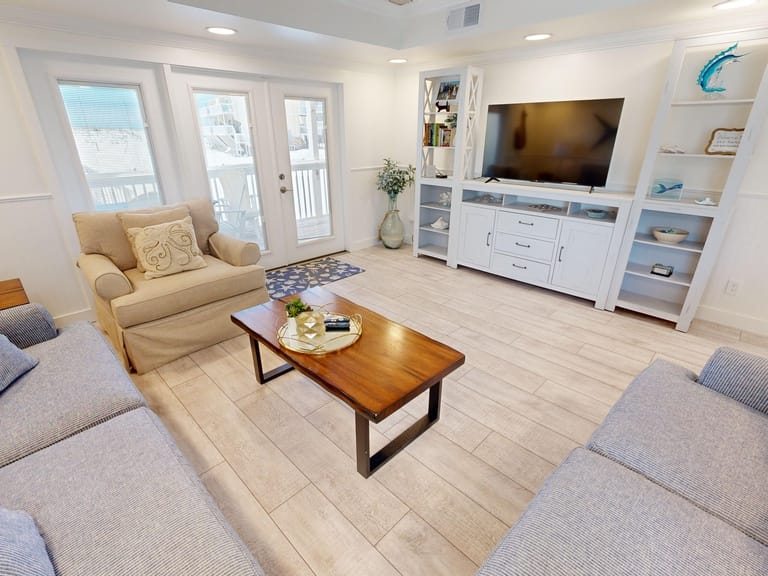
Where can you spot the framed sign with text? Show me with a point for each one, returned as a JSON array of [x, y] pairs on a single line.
[[724, 141]]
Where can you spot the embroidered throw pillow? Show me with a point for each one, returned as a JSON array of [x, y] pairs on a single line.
[[14, 363], [168, 248]]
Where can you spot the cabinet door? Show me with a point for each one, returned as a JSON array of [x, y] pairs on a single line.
[[475, 234], [580, 257]]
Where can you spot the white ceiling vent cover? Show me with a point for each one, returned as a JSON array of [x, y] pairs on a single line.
[[464, 16]]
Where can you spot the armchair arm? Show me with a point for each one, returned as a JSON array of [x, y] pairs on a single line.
[[105, 279], [739, 375], [234, 251], [27, 324]]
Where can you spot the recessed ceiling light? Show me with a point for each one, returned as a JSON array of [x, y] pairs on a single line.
[[730, 4], [397, 60], [536, 37], [221, 31]]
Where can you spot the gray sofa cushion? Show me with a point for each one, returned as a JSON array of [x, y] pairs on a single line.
[[27, 325], [13, 362], [595, 517], [693, 441], [119, 499], [78, 383], [22, 550], [740, 375]]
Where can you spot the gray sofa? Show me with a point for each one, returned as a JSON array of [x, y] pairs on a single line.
[[106, 486], [675, 481]]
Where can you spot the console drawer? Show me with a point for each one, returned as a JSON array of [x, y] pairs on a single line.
[[524, 246], [519, 268], [526, 224]]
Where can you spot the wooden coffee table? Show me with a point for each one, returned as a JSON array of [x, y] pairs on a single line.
[[386, 368]]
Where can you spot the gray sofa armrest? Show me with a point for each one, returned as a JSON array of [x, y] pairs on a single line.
[[104, 277], [234, 251], [739, 375], [27, 324]]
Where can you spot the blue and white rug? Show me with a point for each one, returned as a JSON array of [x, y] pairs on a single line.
[[291, 279]]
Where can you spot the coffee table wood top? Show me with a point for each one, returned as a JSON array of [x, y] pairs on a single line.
[[385, 369]]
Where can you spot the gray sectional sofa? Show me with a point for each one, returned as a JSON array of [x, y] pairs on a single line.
[[675, 481], [103, 481]]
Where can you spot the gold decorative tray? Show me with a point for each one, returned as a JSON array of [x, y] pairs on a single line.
[[330, 342]]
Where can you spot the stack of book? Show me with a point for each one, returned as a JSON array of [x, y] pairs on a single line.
[[436, 135]]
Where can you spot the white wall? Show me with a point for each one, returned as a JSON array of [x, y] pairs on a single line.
[[637, 74], [36, 229]]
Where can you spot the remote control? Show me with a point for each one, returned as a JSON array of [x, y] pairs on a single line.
[[337, 325]]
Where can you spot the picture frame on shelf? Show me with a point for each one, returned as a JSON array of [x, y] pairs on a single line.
[[724, 141], [447, 90], [666, 189]]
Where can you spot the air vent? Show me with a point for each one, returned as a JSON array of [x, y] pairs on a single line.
[[464, 17]]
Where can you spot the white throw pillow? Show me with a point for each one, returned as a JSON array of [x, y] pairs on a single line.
[[168, 248]]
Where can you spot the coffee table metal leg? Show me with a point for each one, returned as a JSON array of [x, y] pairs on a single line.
[[367, 464], [262, 377]]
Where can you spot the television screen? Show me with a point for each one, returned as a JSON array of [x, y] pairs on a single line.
[[567, 142]]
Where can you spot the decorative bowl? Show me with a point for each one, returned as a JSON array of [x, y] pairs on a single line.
[[670, 235], [596, 213]]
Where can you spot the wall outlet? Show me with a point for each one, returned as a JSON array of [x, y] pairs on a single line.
[[732, 287]]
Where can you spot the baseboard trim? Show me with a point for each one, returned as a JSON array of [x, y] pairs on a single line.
[[363, 244], [86, 314], [733, 319]]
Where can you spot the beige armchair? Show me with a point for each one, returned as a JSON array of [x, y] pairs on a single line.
[[154, 321]]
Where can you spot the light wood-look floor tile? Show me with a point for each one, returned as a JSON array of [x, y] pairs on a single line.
[[371, 508], [417, 549], [259, 532], [196, 446], [542, 369], [326, 539], [268, 473]]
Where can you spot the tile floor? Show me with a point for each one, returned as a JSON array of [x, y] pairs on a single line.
[[542, 371]]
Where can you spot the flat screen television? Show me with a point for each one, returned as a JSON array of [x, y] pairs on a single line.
[[568, 142]]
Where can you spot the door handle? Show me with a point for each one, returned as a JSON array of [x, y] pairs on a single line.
[[522, 245], [560, 254], [283, 189], [488, 239]]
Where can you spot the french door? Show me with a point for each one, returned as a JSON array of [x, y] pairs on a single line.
[[270, 164]]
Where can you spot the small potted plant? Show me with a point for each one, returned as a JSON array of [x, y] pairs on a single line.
[[393, 180], [309, 324]]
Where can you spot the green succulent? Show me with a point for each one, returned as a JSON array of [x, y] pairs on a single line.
[[296, 307]]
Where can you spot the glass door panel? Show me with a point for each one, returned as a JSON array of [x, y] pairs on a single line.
[[306, 129], [224, 122]]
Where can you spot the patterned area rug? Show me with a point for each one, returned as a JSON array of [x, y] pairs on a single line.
[[292, 279]]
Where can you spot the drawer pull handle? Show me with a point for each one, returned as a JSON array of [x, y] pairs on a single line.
[[560, 254], [488, 239], [522, 245], [521, 267], [525, 223]]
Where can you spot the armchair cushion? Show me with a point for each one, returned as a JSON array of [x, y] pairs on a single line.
[[166, 249], [739, 375], [13, 363], [22, 549], [140, 220], [27, 324], [104, 277], [163, 297], [234, 251]]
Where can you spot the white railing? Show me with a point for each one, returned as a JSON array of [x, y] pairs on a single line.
[[310, 189], [123, 191]]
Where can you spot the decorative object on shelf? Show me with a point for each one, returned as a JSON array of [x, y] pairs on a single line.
[[669, 235], [448, 90], [437, 135], [545, 207], [488, 199], [662, 270], [666, 189], [452, 122], [306, 323], [439, 174], [706, 202], [671, 149], [442, 107], [724, 141], [445, 198], [393, 179], [596, 213], [709, 77], [439, 224]]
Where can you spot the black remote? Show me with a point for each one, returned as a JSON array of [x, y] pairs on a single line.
[[340, 325]]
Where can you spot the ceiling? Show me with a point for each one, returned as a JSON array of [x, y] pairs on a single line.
[[372, 31]]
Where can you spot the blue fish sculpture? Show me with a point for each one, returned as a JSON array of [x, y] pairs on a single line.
[[711, 71], [661, 188]]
